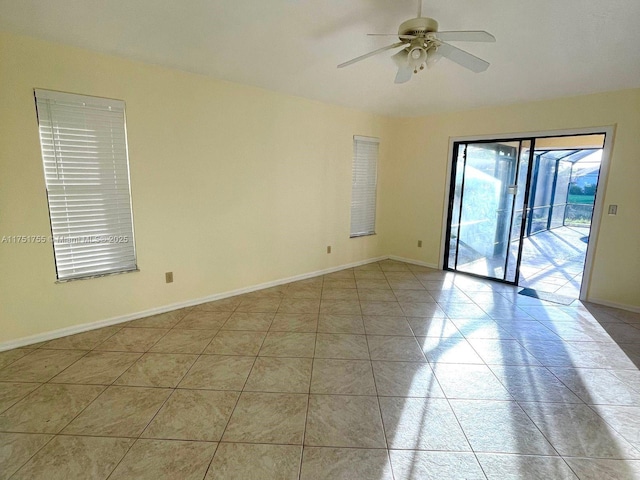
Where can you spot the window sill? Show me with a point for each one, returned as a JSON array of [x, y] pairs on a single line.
[[360, 235], [89, 277]]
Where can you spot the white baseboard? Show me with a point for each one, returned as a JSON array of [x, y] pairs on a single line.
[[85, 327], [413, 262], [622, 306]]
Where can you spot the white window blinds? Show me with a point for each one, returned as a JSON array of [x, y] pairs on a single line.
[[86, 168], [363, 189]]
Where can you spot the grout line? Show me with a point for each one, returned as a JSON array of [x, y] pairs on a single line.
[[135, 440], [53, 437], [538, 428], [306, 417], [68, 366], [206, 472], [238, 399], [472, 450], [235, 405], [384, 430]]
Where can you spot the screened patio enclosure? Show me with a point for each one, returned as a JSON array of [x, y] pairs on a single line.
[[522, 216], [563, 189]]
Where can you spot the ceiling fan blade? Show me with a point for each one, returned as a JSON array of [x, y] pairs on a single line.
[[371, 54], [404, 37], [401, 58], [404, 69], [404, 74], [463, 58], [466, 36]]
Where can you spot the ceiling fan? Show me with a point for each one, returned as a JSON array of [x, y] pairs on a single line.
[[423, 45]]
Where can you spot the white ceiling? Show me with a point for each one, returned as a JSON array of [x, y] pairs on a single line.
[[544, 49]]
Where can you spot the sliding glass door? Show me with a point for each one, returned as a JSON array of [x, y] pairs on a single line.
[[520, 209], [486, 203]]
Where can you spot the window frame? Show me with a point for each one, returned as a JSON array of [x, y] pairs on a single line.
[[128, 253], [358, 140]]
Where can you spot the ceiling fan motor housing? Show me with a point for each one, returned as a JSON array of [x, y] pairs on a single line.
[[418, 26]]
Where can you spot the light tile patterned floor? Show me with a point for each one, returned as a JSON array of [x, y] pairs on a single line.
[[385, 371]]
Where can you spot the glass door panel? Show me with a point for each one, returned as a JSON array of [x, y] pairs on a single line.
[[483, 196]]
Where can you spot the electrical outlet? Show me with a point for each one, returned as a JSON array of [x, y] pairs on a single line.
[[168, 277], [419, 243], [328, 248], [613, 209]]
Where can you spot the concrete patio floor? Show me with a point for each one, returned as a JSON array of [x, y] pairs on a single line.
[[552, 261]]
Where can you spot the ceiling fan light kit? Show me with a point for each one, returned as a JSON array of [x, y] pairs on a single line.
[[422, 46]]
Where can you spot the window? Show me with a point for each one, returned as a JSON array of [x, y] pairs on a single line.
[[86, 169], [363, 186]]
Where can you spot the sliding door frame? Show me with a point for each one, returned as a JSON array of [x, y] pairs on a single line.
[[457, 145], [598, 208]]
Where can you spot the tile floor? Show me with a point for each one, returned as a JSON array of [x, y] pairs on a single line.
[[385, 371]]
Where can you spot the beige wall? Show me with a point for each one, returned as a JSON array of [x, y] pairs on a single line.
[[232, 186], [415, 179]]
